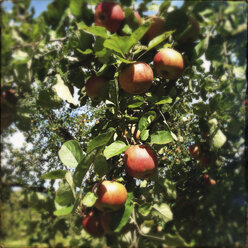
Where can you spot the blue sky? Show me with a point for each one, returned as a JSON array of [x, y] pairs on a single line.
[[40, 5]]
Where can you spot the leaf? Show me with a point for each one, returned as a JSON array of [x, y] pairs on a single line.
[[87, 51], [101, 166], [63, 91], [119, 44], [175, 241], [164, 100], [145, 209], [139, 33], [89, 199], [161, 137], [144, 135], [201, 47], [135, 105], [170, 189], [121, 217], [63, 211], [95, 30], [71, 153], [100, 140], [163, 211], [64, 195], [114, 149], [76, 7], [146, 120], [158, 39], [83, 167], [56, 174]]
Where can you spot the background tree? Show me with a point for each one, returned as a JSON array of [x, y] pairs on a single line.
[[68, 85]]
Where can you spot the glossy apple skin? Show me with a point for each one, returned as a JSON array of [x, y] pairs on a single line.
[[140, 161], [157, 27], [136, 78], [93, 86], [194, 151], [109, 15], [92, 225], [192, 34], [168, 63], [111, 196]]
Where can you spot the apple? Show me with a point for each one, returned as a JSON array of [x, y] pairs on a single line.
[[136, 78], [140, 161], [105, 222], [194, 151], [192, 33], [137, 15], [92, 224], [111, 196], [208, 180], [109, 15], [157, 27], [93, 87], [168, 63]]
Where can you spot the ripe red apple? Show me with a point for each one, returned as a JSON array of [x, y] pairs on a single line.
[[93, 87], [92, 225], [192, 33], [157, 27], [111, 196], [194, 151], [136, 78], [168, 63], [109, 15], [140, 161]]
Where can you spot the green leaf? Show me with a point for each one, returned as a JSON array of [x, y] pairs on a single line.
[[83, 167], [161, 137], [71, 153], [144, 135], [175, 241], [101, 166], [135, 105], [89, 199], [57, 174], [164, 100], [201, 47], [64, 195], [119, 44], [95, 30], [100, 140], [121, 217], [114, 149], [63, 211], [87, 51], [146, 120], [158, 39], [170, 189], [63, 91], [139, 33], [145, 209], [163, 211], [76, 7]]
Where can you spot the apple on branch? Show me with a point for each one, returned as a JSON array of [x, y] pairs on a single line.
[[92, 224], [136, 78], [111, 196], [109, 15], [93, 87], [140, 161], [168, 63]]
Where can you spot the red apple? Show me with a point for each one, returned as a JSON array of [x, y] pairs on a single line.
[[157, 27], [194, 151], [208, 180], [109, 15], [192, 33], [92, 225], [111, 196], [136, 78], [168, 63], [140, 161], [93, 87]]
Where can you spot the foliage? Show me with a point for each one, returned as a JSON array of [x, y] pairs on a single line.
[[77, 141]]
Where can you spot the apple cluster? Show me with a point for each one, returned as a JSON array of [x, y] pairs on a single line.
[[140, 160], [137, 78]]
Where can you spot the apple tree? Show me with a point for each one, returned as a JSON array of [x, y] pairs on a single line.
[[137, 109]]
